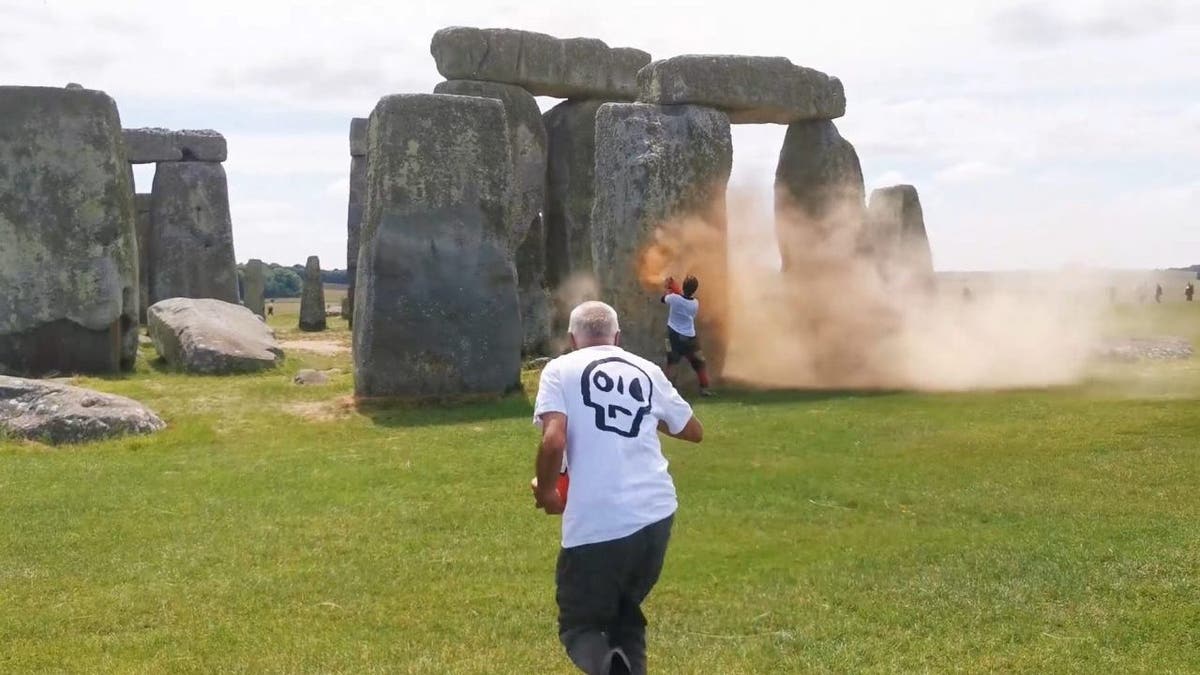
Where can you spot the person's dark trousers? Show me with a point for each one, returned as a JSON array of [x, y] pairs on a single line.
[[600, 592]]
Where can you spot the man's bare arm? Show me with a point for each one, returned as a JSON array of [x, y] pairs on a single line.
[[692, 432], [549, 461]]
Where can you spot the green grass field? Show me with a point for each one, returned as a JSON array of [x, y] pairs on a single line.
[[277, 528]]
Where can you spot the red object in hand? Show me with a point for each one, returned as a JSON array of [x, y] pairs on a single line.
[[673, 286], [564, 483]]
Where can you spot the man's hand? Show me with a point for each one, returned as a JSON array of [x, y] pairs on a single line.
[[549, 501], [670, 283]]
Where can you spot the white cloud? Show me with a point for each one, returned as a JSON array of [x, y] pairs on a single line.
[[969, 172]]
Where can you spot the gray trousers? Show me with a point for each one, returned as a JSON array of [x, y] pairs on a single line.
[[600, 592]]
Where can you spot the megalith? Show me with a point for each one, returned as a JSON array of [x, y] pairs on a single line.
[[751, 89], [527, 145], [143, 204], [254, 278], [895, 237], [354, 208], [312, 297], [68, 240], [570, 185], [542, 64], [191, 248], [661, 173], [819, 205], [436, 310]]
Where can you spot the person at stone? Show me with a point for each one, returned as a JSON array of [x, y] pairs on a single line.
[[1189, 291], [1158, 293], [271, 308], [682, 341], [601, 409]]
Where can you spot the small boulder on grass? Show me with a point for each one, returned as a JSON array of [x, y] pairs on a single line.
[[309, 376], [54, 413]]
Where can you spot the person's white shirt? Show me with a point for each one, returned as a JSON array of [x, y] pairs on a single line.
[[613, 401], [681, 314]]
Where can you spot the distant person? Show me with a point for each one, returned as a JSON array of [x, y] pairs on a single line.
[[603, 408], [682, 341], [1158, 293], [967, 295], [271, 308], [1189, 291]]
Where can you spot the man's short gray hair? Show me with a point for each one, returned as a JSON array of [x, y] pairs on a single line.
[[594, 320]]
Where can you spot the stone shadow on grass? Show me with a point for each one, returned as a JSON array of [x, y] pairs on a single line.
[[390, 412]]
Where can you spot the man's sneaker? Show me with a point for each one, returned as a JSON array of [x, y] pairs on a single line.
[[707, 393], [619, 663]]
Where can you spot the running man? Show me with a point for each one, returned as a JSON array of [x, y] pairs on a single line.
[[603, 408], [682, 307]]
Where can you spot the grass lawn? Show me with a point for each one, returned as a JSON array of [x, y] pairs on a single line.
[[277, 528]]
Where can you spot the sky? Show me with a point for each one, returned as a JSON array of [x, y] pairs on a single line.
[[1040, 135]]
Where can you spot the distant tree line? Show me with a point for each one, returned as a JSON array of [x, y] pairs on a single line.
[[287, 281]]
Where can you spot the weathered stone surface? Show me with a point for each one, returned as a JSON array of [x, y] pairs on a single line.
[[150, 145], [68, 242], [191, 249], [895, 236], [542, 64], [255, 281], [312, 298], [143, 204], [358, 136], [660, 167], [527, 144], [354, 214], [436, 309], [153, 145], [54, 413], [570, 184], [819, 194], [752, 89], [211, 336]]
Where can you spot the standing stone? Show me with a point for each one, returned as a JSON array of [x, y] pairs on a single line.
[[661, 168], [312, 298], [895, 235], [68, 241], [570, 185], [819, 193], [143, 204], [544, 65], [255, 276], [527, 144], [191, 250], [354, 209], [436, 309]]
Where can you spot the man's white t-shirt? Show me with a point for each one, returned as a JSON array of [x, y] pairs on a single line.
[[681, 314], [613, 401]]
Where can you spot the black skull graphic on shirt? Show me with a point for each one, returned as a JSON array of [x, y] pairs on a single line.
[[620, 393]]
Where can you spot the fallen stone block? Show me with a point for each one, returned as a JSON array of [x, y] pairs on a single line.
[[542, 64], [211, 337], [56, 413], [751, 89]]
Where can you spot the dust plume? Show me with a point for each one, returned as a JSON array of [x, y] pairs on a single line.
[[820, 303]]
